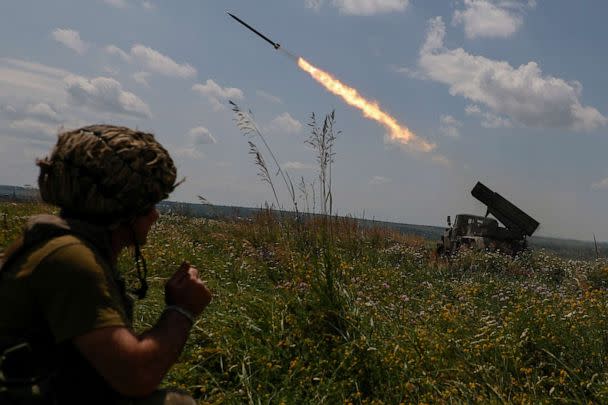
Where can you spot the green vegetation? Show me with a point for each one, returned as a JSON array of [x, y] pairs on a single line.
[[323, 311]]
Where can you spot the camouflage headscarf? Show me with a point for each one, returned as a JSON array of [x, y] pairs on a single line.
[[106, 174]]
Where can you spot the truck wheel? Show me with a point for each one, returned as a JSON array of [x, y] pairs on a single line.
[[440, 250]]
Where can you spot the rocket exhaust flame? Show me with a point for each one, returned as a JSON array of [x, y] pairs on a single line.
[[370, 109]]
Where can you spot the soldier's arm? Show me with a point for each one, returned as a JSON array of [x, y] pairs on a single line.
[[134, 365]]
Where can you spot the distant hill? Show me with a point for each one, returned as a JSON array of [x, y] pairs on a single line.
[[16, 193], [575, 249], [570, 248]]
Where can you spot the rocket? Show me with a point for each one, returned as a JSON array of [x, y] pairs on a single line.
[[276, 45]]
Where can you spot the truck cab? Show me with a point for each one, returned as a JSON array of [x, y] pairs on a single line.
[[484, 232]]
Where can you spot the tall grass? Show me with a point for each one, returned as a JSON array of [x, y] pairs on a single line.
[[482, 328], [246, 123], [318, 239]]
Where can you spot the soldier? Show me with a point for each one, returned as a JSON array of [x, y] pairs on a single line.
[[66, 332]]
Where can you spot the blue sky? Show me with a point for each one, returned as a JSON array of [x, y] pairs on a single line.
[[512, 93]]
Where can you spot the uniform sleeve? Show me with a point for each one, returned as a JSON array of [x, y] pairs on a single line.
[[74, 293]]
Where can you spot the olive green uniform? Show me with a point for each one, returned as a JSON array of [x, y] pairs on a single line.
[[59, 285]]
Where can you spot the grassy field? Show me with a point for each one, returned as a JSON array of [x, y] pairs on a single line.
[[327, 312]]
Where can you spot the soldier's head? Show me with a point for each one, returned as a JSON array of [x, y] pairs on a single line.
[[106, 175]]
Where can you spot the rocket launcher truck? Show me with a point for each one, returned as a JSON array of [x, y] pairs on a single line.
[[484, 232]]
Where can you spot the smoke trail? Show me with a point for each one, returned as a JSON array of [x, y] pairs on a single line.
[[289, 54]]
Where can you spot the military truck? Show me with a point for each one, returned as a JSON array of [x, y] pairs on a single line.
[[484, 232]]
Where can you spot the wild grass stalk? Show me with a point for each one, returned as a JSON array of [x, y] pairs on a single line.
[[246, 123], [322, 139]]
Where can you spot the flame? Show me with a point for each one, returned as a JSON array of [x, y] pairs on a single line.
[[370, 109]]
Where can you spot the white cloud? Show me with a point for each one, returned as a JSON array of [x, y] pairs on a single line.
[[35, 101], [38, 111], [600, 185], [152, 61], [116, 3], [442, 160], [71, 39], [42, 111], [211, 88], [488, 120], [123, 4], [105, 94], [155, 61], [379, 180], [141, 78], [20, 83], [452, 132], [472, 109], [522, 94], [297, 166], [313, 4], [114, 50], [9, 110], [197, 137], [449, 120], [269, 97], [217, 94], [284, 124], [201, 136], [449, 126], [188, 152], [409, 72], [494, 121], [34, 67], [361, 7], [32, 122], [491, 18], [36, 129], [370, 7], [435, 34], [111, 70]]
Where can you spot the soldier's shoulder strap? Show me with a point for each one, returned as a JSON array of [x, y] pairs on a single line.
[[19, 246], [11, 251]]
